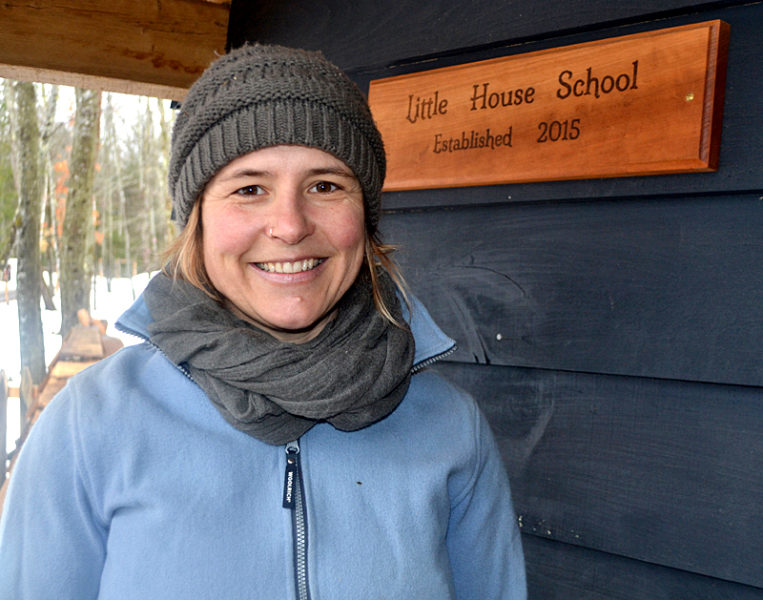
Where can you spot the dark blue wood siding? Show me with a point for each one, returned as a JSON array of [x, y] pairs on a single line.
[[611, 329]]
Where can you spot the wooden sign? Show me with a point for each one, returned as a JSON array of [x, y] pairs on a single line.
[[635, 105]]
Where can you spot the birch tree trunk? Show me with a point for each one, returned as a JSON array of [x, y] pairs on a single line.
[[150, 183], [77, 242], [9, 239], [47, 236], [112, 150], [169, 231], [107, 217], [28, 276]]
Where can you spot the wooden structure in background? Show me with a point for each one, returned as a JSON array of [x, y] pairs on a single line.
[[610, 328], [148, 47], [86, 344]]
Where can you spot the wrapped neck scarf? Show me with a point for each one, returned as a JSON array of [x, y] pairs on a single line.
[[354, 373]]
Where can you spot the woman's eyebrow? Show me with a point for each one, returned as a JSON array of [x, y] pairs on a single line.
[[343, 172], [238, 173], [245, 172]]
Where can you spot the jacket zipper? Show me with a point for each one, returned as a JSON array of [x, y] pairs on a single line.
[[294, 500], [184, 370], [432, 359], [293, 491]]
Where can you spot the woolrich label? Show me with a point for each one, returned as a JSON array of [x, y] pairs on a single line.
[[636, 105]]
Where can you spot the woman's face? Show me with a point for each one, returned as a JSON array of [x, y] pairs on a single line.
[[283, 237]]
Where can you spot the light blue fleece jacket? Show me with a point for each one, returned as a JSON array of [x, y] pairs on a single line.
[[132, 486]]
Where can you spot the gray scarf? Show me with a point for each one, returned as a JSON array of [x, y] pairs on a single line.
[[354, 373]]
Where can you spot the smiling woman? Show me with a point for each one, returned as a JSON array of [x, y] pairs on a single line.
[[282, 367], [283, 237]]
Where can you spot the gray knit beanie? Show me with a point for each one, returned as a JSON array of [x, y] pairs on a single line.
[[259, 96]]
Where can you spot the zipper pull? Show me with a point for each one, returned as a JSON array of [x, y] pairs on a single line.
[[291, 475]]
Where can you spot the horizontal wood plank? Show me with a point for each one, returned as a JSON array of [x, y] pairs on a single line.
[[564, 572], [118, 45], [423, 29], [662, 472], [91, 82], [668, 288]]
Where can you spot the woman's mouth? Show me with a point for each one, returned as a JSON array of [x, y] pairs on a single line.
[[298, 266]]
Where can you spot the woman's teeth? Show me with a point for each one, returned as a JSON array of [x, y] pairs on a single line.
[[290, 267]]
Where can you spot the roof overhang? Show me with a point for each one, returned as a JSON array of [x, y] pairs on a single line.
[[149, 47]]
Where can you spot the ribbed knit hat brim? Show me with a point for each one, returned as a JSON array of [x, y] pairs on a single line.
[[261, 96]]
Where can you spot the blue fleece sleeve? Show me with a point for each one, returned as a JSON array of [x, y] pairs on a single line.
[[52, 544], [483, 537]]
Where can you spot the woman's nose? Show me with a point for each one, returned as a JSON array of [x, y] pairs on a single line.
[[288, 219]]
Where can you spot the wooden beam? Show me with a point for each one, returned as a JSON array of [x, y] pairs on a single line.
[[150, 47]]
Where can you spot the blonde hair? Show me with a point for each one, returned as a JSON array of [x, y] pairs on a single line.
[[184, 260]]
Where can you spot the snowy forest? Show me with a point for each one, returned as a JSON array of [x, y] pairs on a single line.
[[83, 193]]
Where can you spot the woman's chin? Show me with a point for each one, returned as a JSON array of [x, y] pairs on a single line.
[[294, 328]]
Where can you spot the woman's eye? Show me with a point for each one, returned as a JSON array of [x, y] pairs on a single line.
[[324, 187], [249, 190]]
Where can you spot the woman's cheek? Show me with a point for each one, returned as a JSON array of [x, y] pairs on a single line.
[[352, 239], [230, 232], [349, 230]]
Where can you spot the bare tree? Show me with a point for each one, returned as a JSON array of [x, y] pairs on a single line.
[[111, 147], [76, 245], [168, 227], [48, 238], [9, 236], [28, 276]]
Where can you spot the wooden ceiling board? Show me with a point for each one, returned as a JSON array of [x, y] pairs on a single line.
[[149, 47]]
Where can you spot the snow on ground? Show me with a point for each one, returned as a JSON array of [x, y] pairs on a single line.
[[106, 305]]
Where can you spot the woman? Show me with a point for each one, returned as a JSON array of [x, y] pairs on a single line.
[[276, 436]]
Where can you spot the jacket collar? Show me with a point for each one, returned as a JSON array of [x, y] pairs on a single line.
[[431, 342]]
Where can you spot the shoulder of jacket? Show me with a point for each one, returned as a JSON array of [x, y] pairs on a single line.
[[440, 402]]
